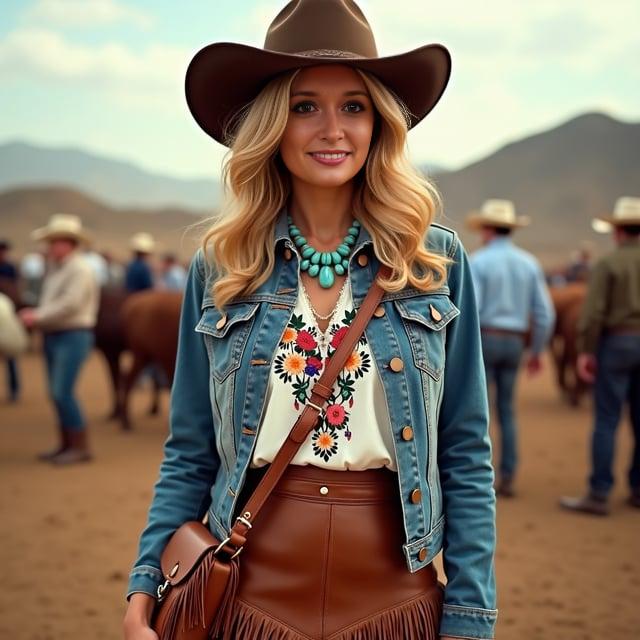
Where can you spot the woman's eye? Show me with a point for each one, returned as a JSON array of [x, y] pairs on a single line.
[[303, 107], [354, 107]]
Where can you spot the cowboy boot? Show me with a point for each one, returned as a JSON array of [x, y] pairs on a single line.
[[590, 503], [504, 488], [78, 450], [46, 456]]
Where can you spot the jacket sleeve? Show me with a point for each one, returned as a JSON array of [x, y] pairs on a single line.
[[466, 473], [191, 462], [543, 314], [594, 309]]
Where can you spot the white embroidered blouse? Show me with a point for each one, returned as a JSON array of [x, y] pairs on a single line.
[[354, 432]]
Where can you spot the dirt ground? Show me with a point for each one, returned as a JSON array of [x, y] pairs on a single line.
[[68, 536]]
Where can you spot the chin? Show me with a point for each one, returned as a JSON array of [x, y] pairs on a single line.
[[329, 181]]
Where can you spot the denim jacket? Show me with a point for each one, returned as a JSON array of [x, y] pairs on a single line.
[[444, 472]]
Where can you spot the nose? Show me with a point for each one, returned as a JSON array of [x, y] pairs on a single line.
[[332, 130]]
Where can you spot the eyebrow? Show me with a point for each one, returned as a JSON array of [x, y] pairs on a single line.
[[355, 92]]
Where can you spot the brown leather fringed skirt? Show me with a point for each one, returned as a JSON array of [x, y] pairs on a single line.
[[324, 560]]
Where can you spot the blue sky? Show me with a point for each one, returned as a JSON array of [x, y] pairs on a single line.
[[107, 75]]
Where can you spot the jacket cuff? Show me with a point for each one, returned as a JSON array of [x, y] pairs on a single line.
[[468, 622], [144, 579]]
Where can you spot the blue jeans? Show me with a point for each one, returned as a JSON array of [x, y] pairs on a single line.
[[13, 378], [502, 355], [617, 380], [65, 352]]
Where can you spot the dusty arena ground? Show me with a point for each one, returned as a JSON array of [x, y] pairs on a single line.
[[68, 536]]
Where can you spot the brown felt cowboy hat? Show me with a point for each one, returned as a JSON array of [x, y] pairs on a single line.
[[223, 77]]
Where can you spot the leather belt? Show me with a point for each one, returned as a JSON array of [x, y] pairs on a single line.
[[623, 331], [494, 331]]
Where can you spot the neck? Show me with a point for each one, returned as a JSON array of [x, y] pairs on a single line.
[[322, 214]]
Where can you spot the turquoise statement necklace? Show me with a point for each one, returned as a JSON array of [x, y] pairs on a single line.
[[325, 265]]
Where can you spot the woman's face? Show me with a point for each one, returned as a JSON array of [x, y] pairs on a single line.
[[330, 125]]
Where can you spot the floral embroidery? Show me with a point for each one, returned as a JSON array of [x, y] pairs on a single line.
[[300, 362]]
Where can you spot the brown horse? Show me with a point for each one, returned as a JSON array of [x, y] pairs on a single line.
[[111, 342], [568, 301], [150, 322]]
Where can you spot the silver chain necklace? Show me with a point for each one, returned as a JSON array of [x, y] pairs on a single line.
[[323, 334]]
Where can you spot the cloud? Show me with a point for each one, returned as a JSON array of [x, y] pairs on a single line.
[[151, 77], [86, 13]]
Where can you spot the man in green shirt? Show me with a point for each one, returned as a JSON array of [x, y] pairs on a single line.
[[609, 348]]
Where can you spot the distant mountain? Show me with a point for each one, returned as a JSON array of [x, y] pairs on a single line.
[[113, 181], [561, 178], [22, 210]]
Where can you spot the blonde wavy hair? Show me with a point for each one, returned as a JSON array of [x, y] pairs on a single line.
[[392, 199]]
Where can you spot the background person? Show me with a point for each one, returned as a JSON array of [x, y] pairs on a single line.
[[66, 315], [512, 295], [609, 355]]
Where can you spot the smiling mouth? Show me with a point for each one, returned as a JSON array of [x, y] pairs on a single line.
[[329, 158]]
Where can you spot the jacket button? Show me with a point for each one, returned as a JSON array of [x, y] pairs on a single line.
[[221, 322], [324, 490], [287, 254], [422, 554], [407, 433], [435, 314], [416, 496], [363, 261], [396, 364], [379, 312]]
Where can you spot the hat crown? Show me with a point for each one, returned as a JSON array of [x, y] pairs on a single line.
[[627, 208], [64, 222], [335, 27], [142, 241], [502, 210]]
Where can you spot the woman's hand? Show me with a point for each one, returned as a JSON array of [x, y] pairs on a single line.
[[138, 617]]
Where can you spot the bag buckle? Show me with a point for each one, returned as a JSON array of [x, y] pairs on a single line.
[[162, 588], [315, 406], [223, 544]]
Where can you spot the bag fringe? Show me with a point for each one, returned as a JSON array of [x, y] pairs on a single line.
[[225, 613], [188, 609], [417, 619]]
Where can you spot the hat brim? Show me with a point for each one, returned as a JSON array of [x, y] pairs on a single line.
[[44, 234], [477, 220], [606, 224], [224, 77]]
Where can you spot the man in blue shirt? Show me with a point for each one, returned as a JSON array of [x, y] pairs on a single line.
[[138, 276], [512, 298]]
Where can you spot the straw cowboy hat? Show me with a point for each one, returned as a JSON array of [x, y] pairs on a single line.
[[497, 213], [142, 242], [223, 77], [62, 225], [626, 212]]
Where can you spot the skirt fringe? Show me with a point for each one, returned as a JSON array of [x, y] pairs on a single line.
[[416, 619]]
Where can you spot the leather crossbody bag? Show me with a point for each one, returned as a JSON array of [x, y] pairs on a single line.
[[201, 573]]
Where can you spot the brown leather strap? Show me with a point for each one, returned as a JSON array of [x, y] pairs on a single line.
[[307, 420]]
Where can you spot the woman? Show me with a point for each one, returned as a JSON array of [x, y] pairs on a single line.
[[398, 467]]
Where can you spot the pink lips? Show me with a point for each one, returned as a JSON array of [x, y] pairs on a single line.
[[330, 158]]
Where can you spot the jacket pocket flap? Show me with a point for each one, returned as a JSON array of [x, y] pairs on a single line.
[[433, 311], [217, 324]]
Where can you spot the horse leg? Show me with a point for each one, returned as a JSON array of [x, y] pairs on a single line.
[[128, 380]]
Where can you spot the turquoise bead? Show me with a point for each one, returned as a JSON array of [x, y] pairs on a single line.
[[313, 270], [307, 252], [304, 265], [336, 257], [345, 264], [326, 277], [315, 258], [339, 269], [299, 241], [353, 232], [343, 250], [350, 240], [325, 259], [294, 232], [356, 223]]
